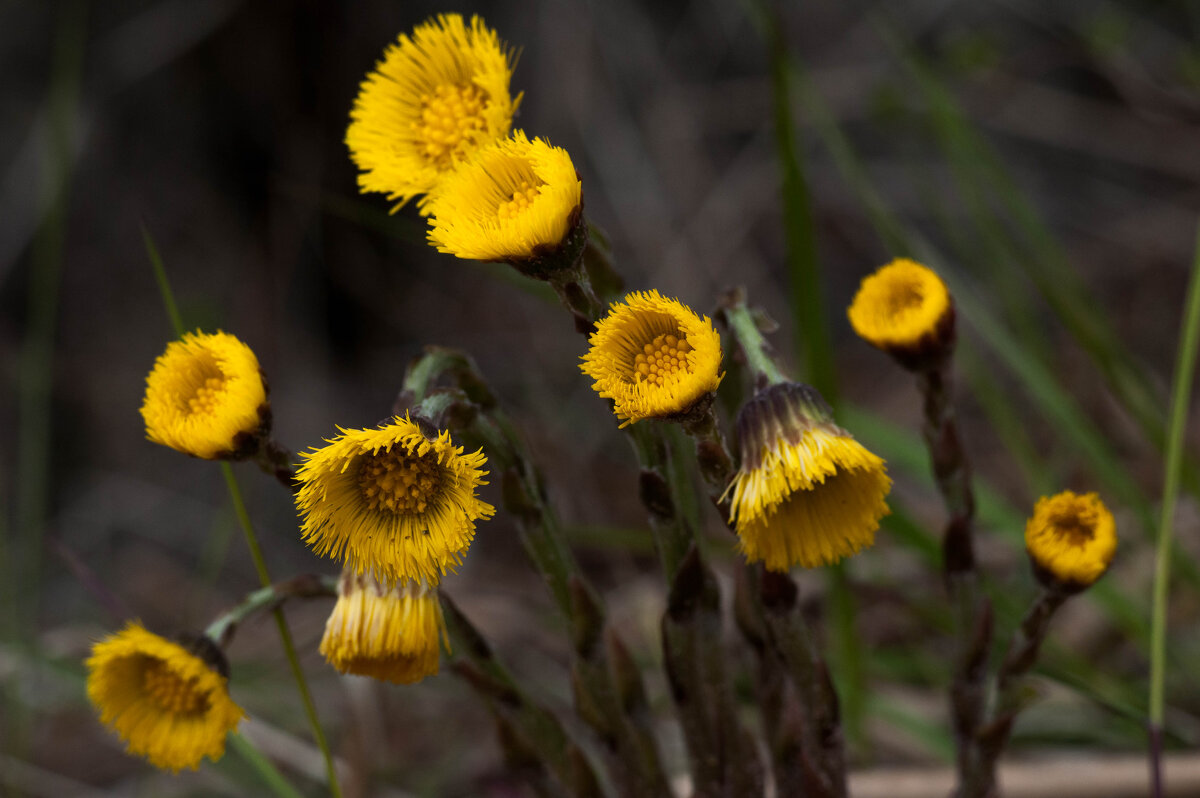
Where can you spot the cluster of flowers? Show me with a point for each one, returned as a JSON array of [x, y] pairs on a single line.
[[397, 504]]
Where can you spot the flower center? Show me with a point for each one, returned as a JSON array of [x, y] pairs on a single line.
[[449, 117], [904, 296], [1073, 529], [399, 482], [171, 693], [661, 359], [512, 208], [205, 400]]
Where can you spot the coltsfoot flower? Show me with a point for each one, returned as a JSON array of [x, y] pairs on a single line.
[[391, 502], [168, 703], [807, 493], [434, 98], [385, 633], [654, 357], [1071, 540], [905, 309], [205, 396], [513, 200]]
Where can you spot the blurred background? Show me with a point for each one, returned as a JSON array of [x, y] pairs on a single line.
[[1042, 156]]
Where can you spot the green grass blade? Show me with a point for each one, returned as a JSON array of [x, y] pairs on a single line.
[[164, 285], [263, 767], [1185, 368]]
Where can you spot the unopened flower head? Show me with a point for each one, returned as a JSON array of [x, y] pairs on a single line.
[[511, 201], [392, 502], [205, 396], [434, 98], [905, 310], [1071, 539], [807, 493], [168, 703], [654, 357], [386, 633]]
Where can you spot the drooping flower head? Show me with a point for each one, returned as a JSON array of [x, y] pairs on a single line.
[[392, 502], [1071, 540], [807, 493], [511, 201], [205, 396], [905, 309], [434, 98], [653, 356], [385, 633], [168, 703]]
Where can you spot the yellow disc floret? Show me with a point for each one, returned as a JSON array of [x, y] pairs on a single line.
[[203, 393], [511, 200], [164, 701], [807, 493], [902, 306], [1071, 538], [434, 98], [391, 502], [386, 633], [653, 356]]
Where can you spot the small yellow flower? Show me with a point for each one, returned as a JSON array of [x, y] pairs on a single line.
[[392, 502], [205, 395], [513, 200], [166, 702], [653, 356], [431, 101], [389, 634], [807, 493], [904, 309], [1071, 539]]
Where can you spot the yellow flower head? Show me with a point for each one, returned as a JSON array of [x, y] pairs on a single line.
[[389, 634], [205, 396], [167, 703], [434, 98], [906, 310], [513, 200], [1071, 539], [392, 502], [653, 356], [807, 493]]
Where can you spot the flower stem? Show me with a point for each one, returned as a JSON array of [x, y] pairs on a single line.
[[744, 327], [221, 630], [285, 634], [1185, 367]]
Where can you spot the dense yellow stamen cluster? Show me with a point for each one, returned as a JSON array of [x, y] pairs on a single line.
[[399, 483], [520, 201], [203, 392], [509, 201], [170, 692], [1071, 537], [392, 502], [165, 702], [660, 359], [653, 356], [451, 118], [900, 305], [435, 98]]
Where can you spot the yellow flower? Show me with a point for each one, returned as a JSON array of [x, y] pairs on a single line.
[[1071, 539], [807, 493], [906, 310], [205, 396], [392, 502], [167, 703], [513, 200], [390, 634], [653, 356], [431, 101]]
